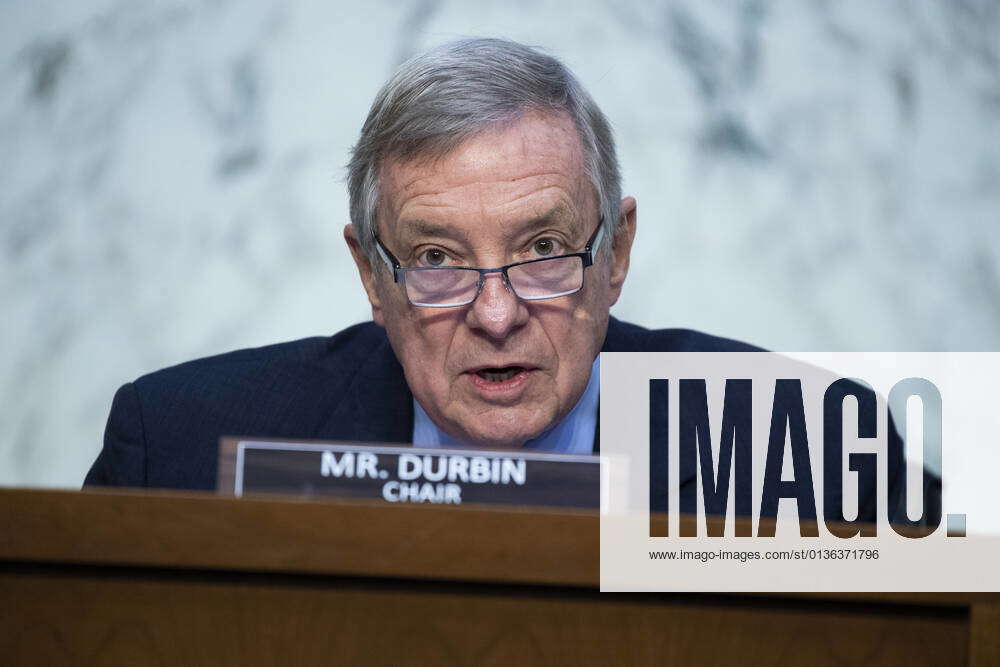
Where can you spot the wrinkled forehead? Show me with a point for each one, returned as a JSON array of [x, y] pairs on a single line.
[[532, 159]]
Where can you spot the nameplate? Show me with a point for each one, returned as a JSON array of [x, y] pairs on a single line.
[[402, 474]]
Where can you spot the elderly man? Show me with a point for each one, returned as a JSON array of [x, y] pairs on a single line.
[[491, 238]]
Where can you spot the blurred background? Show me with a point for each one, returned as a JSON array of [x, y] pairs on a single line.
[[811, 175]]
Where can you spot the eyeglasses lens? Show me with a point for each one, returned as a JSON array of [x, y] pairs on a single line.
[[455, 287], [546, 279], [441, 287]]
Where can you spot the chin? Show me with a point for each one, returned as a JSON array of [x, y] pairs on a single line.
[[505, 429]]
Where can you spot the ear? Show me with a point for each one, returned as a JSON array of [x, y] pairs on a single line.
[[621, 248], [367, 273]]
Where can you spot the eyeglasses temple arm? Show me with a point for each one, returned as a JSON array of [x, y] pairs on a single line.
[[595, 240], [387, 257]]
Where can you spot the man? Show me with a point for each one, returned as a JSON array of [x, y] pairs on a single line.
[[488, 154], [491, 238]]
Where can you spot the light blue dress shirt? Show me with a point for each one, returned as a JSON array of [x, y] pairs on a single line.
[[573, 435]]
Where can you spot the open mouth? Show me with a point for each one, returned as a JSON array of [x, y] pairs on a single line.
[[500, 374]]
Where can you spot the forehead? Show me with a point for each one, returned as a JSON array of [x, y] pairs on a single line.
[[527, 167]]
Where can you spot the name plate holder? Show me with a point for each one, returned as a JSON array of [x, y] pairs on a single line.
[[403, 474]]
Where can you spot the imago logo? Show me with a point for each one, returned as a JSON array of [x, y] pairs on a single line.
[[788, 424]]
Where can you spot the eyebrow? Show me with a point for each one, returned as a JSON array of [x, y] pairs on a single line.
[[554, 215], [421, 227]]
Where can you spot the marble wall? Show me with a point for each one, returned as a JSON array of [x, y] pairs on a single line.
[[811, 175]]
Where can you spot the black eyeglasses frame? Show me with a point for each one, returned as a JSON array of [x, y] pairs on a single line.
[[399, 272]]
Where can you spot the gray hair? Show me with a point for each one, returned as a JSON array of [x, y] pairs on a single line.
[[438, 99]]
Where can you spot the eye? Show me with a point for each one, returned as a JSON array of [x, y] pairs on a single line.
[[434, 257], [545, 247]]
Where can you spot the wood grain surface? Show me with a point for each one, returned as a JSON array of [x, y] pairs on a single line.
[[90, 620], [206, 531], [130, 577]]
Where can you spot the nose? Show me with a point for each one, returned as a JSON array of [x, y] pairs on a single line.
[[496, 311]]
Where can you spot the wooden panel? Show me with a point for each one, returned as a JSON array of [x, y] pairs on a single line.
[[205, 531], [174, 578], [985, 635], [87, 618]]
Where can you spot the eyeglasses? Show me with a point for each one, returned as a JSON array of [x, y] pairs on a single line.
[[532, 280]]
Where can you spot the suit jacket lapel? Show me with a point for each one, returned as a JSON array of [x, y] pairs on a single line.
[[377, 405]]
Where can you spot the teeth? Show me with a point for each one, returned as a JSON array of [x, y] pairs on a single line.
[[499, 374]]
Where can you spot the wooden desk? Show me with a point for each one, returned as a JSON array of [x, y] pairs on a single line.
[[104, 578]]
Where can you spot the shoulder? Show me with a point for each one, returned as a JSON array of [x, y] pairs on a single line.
[[626, 337], [338, 354], [174, 417], [341, 347], [284, 388]]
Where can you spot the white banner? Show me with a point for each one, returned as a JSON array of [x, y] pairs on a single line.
[[802, 445]]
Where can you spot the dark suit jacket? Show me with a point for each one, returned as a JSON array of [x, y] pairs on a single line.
[[164, 428]]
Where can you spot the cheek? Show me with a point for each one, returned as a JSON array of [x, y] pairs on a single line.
[[591, 316], [422, 340], [576, 338], [600, 287], [589, 326]]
